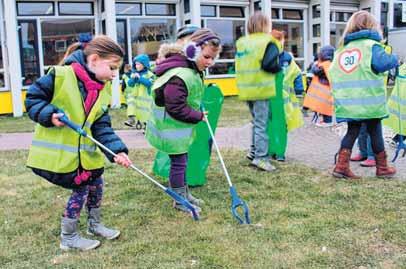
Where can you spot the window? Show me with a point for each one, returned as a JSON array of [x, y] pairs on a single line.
[[234, 12], [336, 32], [75, 8], [384, 14], [316, 11], [275, 14], [208, 11], [161, 9], [186, 6], [343, 16], [294, 42], [229, 31], [122, 37], [35, 8], [257, 5], [58, 34], [29, 51], [316, 30], [147, 35], [399, 20], [292, 14], [128, 9]]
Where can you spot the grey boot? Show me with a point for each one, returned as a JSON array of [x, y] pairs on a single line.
[[182, 191], [70, 238], [94, 227], [192, 199]]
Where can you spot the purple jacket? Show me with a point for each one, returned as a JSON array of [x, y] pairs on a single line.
[[173, 94]]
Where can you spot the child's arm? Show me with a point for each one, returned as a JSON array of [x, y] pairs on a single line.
[[382, 61], [102, 132], [147, 82], [38, 100], [175, 96], [270, 62], [298, 84]]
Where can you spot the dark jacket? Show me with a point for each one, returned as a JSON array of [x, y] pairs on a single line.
[[173, 95], [270, 61], [39, 108]]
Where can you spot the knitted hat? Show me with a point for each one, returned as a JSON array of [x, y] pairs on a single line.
[[186, 30], [326, 53], [142, 59]]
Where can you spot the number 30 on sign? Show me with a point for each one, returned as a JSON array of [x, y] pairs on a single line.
[[349, 60]]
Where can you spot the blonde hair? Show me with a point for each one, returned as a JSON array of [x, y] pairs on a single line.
[[360, 20], [278, 35], [258, 23], [101, 45]]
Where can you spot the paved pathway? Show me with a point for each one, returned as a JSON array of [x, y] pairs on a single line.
[[310, 145]]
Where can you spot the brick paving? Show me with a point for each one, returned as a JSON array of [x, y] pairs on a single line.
[[309, 145]]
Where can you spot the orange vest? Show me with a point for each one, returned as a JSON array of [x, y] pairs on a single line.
[[319, 97]]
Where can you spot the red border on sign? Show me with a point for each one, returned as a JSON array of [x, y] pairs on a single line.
[[349, 51]]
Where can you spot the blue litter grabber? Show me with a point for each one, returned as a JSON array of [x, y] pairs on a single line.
[[236, 201], [171, 193]]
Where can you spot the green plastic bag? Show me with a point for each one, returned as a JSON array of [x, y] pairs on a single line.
[[200, 150], [277, 128]]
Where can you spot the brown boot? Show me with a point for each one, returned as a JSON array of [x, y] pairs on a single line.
[[342, 169], [382, 168]]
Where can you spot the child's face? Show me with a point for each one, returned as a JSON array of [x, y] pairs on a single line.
[[207, 57], [105, 69], [139, 66]]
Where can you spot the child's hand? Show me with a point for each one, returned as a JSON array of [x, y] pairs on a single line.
[[55, 119], [135, 75], [123, 160], [205, 113]]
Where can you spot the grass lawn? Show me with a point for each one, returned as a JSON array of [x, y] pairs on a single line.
[[301, 219], [234, 113]]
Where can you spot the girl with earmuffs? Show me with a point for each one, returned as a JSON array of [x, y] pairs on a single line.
[[177, 94]]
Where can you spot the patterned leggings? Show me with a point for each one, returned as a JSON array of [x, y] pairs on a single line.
[[91, 194]]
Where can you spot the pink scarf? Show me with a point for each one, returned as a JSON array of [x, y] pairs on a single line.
[[92, 87]]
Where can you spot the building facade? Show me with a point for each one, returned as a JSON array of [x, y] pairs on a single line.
[[35, 34]]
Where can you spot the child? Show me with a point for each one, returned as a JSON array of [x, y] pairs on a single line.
[[124, 81], [177, 94], [256, 63], [357, 79], [81, 87], [319, 97], [141, 81]]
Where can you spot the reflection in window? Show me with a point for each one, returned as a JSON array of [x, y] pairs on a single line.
[[148, 34], [128, 9], [293, 37], [76, 8], [316, 11], [275, 13], [316, 30], [57, 35], [292, 14], [208, 11], [29, 52], [234, 12], [222, 69], [229, 31], [161, 9], [32, 9]]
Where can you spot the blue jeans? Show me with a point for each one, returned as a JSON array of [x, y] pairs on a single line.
[[260, 117], [364, 143]]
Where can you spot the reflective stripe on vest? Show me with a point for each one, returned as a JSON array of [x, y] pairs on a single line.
[[359, 92], [164, 132], [58, 149], [252, 82]]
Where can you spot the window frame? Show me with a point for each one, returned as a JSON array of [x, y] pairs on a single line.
[[131, 3], [156, 4], [3, 70]]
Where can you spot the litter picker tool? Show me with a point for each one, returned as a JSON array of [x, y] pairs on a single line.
[[236, 201], [168, 191]]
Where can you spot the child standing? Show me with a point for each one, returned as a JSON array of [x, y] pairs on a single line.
[[357, 79], [141, 81], [319, 97], [177, 94], [256, 64], [81, 87]]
